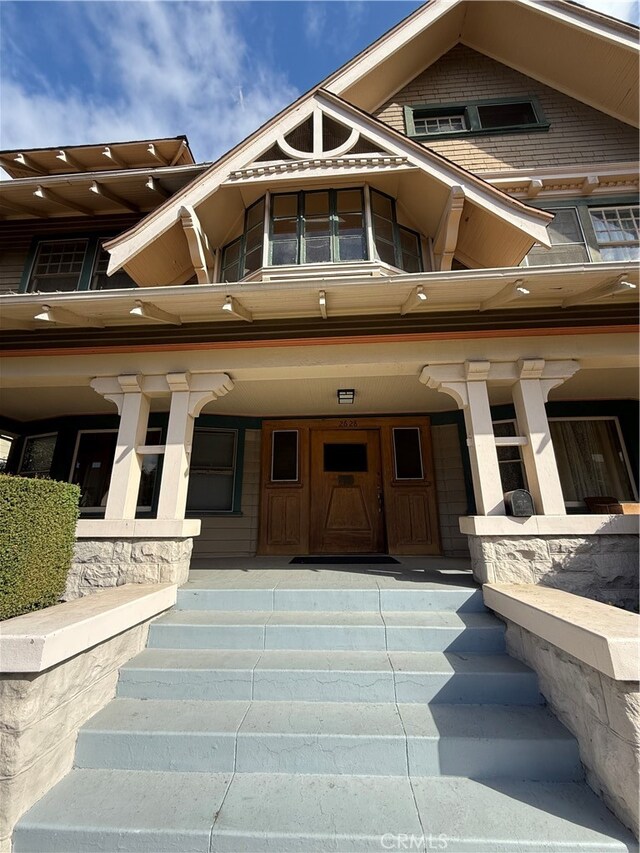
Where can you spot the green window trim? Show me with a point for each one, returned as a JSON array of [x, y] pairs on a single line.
[[238, 472], [397, 230], [241, 242], [472, 118]]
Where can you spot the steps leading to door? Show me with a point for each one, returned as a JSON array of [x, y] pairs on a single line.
[[295, 717]]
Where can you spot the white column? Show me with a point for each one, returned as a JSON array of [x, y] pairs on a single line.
[[529, 397], [127, 464], [175, 468], [467, 384]]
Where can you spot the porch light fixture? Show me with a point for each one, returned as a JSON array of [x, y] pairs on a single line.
[[346, 396]]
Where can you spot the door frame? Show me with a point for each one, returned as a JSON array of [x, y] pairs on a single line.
[[294, 497]]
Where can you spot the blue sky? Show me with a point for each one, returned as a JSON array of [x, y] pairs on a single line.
[[89, 72]]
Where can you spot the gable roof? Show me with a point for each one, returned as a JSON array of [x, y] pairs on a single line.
[[559, 36], [512, 225]]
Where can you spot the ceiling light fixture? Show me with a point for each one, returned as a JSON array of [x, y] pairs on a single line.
[[346, 396]]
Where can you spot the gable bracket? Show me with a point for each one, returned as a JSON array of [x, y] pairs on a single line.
[[201, 253], [446, 239]]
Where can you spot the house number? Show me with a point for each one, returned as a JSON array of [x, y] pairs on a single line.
[[347, 424]]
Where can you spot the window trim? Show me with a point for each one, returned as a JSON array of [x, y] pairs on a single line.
[[24, 449], [96, 510], [585, 242], [422, 476], [397, 227], [516, 431], [469, 109], [298, 472], [611, 244], [623, 447], [238, 459]]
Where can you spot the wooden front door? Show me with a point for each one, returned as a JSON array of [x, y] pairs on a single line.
[[346, 497]]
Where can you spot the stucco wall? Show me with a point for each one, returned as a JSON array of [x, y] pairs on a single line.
[[578, 133]]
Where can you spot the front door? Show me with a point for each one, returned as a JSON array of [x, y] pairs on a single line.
[[346, 499]]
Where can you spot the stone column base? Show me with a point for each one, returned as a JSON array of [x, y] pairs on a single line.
[[602, 567], [103, 562]]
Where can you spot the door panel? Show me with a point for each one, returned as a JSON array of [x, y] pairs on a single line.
[[284, 496], [346, 512]]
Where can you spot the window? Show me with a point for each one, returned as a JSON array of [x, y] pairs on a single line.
[[58, 265], [395, 244], [324, 226], [93, 462], [284, 456], [244, 255], [37, 455], [617, 231], [6, 442], [591, 459], [568, 243], [101, 281], [407, 453], [343, 458], [212, 470], [510, 463], [504, 115]]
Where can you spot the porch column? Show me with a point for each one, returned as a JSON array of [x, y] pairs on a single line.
[[530, 391], [189, 395], [133, 407], [467, 384]]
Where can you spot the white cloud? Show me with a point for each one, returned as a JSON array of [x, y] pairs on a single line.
[[624, 10], [161, 69]]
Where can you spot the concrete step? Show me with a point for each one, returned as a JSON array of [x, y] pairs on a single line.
[[107, 810], [335, 630], [327, 676], [329, 737], [460, 599]]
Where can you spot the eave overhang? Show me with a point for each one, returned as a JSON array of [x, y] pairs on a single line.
[[422, 293], [494, 229], [548, 41]]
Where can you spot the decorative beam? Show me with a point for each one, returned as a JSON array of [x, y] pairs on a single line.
[[104, 192], [110, 154], [181, 149], [21, 208], [49, 195], [508, 294], [446, 239], [156, 187], [416, 298], [202, 255], [149, 311], [64, 317], [534, 187], [232, 306], [590, 183], [609, 288], [27, 163], [69, 160], [151, 149], [322, 302]]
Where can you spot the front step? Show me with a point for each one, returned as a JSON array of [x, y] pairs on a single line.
[[326, 676], [335, 630], [316, 737], [107, 810]]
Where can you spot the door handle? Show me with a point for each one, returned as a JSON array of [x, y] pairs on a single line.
[[380, 501]]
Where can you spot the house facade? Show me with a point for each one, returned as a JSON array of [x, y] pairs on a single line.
[[412, 291]]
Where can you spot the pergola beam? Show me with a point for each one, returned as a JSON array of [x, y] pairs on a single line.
[[64, 317], [506, 295], [232, 306], [22, 208], [151, 149], [156, 187], [110, 154], [48, 195], [181, 148], [27, 163], [201, 253], [104, 192], [446, 239], [149, 311], [69, 160], [608, 288]]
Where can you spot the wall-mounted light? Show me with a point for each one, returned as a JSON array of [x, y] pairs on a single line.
[[346, 396]]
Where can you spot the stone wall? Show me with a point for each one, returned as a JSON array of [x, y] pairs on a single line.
[[100, 563], [41, 715], [602, 713], [602, 567]]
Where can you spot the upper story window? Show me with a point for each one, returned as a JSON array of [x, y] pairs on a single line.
[[584, 233], [321, 227], [501, 115], [73, 264]]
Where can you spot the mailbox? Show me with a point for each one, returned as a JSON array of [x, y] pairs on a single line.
[[519, 503]]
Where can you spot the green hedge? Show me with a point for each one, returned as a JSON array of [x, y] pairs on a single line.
[[37, 534]]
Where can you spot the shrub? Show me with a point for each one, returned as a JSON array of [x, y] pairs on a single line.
[[37, 534]]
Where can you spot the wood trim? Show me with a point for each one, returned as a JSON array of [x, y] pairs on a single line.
[[325, 341]]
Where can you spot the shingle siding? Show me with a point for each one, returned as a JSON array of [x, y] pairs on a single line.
[[578, 133]]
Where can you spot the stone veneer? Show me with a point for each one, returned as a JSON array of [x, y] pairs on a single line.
[[100, 563], [602, 713], [41, 715], [601, 567]]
